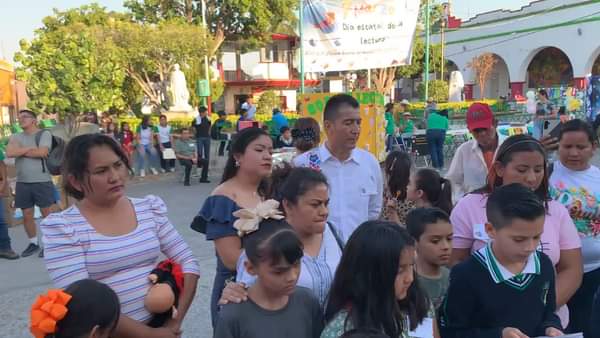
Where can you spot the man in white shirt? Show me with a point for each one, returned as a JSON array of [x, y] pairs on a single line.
[[250, 108], [354, 174], [469, 168]]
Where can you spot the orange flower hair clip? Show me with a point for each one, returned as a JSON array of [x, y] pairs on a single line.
[[47, 310]]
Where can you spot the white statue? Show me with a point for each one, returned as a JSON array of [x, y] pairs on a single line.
[[456, 86], [179, 92]]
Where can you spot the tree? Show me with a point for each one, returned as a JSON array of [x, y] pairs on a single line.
[[67, 71], [267, 101], [482, 66], [149, 53], [250, 22]]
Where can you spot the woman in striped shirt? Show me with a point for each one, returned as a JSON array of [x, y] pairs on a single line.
[[112, 238]]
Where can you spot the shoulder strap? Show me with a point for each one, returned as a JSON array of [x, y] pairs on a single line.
[[38, 137], [337, 237]]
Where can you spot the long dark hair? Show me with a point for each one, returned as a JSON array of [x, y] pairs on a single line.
[[579, 125], [290, 183], [365, 280], [145, 122], [238, 147], [397, 169], [504, 155], [77, 156], [437, 189], [92, 303]]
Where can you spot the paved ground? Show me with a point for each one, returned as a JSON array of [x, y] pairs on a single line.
[[22, 280]]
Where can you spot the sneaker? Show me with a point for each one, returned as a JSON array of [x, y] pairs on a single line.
[[30, 250], [142, 172], [41, 254], [8, 254], [154, 172], [186, 184], [204, 180], [172, 170]]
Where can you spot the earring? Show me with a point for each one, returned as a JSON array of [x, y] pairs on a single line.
[[237, 163]]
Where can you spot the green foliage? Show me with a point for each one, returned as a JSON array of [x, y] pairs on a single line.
[[66, 69], [217, 88], [438, 90], [250, 22], [417, 66], [267, 101]]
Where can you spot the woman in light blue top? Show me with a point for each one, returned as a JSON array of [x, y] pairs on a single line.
[[304, 196]]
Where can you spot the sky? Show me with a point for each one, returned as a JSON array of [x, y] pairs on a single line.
[[20, 18]]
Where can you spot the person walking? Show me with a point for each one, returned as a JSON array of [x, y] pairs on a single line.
[[437, 124], [201, 125], [34, 183], [165, 141]]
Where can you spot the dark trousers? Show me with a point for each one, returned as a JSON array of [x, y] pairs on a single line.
[[187, 165], [223, 144], [595, 325], [165, 164], [580, 305], [203, 147], [435, 141], [4, 238]]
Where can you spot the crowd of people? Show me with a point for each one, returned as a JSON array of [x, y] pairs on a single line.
[[335, 244]]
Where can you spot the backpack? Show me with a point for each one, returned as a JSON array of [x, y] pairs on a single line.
[[215, 131], [53, 162]]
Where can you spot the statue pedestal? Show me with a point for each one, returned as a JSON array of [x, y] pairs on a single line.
[[180, 114]]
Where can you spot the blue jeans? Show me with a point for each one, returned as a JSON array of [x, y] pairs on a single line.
[[4, 239], [435, 141], [595, 326], [144, 149], [203, 148]]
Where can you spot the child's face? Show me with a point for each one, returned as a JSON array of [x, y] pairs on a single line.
[[279, 278], [435, 244], [287, 134], [125, 127], [526, 168], [405, 275], [515, 242], [412, 193]]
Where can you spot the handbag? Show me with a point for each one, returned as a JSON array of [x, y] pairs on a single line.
[[168, 154]]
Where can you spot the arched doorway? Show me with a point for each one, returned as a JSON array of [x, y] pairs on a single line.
[[498, 82], [550, 67], [450, 67], [596, 66]]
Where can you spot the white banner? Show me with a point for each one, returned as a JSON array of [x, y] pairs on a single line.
[[357, 34]]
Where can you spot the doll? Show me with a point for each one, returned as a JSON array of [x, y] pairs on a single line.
[[163, 296]]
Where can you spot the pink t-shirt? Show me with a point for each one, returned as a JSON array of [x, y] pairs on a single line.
[[468, 219]]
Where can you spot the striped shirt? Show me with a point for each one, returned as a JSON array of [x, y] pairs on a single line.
[[74, 250]]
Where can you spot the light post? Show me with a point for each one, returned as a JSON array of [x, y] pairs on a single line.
[[207, 74]]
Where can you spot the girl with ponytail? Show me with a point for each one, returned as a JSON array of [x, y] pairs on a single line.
[[428, 189]]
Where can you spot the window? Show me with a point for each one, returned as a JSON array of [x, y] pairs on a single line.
[[273, 53]]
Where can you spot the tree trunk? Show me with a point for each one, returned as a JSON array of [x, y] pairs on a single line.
[[383, 79]]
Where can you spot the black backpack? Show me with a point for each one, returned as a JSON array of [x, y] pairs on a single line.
[[55, 154]]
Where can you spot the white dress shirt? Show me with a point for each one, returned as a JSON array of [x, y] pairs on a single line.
[[468, 170], [355, 186]]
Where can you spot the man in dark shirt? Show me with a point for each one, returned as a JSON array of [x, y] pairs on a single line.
[[201, 125]]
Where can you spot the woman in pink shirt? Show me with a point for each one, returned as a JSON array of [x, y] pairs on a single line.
[[522, 159]]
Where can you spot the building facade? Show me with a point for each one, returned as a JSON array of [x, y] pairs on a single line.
[[547, 43]]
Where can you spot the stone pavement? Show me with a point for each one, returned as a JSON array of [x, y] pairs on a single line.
[[23, 279]]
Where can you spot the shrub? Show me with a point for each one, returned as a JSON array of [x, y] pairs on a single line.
[[438, 90]]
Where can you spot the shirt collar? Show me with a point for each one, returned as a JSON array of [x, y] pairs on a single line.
[[499, 273], [325, 154]]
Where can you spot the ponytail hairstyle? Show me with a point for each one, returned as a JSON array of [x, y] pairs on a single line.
[[397, 171], [92, 305], [436, 189]]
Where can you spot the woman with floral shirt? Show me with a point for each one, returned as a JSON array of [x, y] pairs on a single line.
[[576, 184]]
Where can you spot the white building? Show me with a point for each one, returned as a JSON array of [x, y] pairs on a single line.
[[563, 29], [272, 67]]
